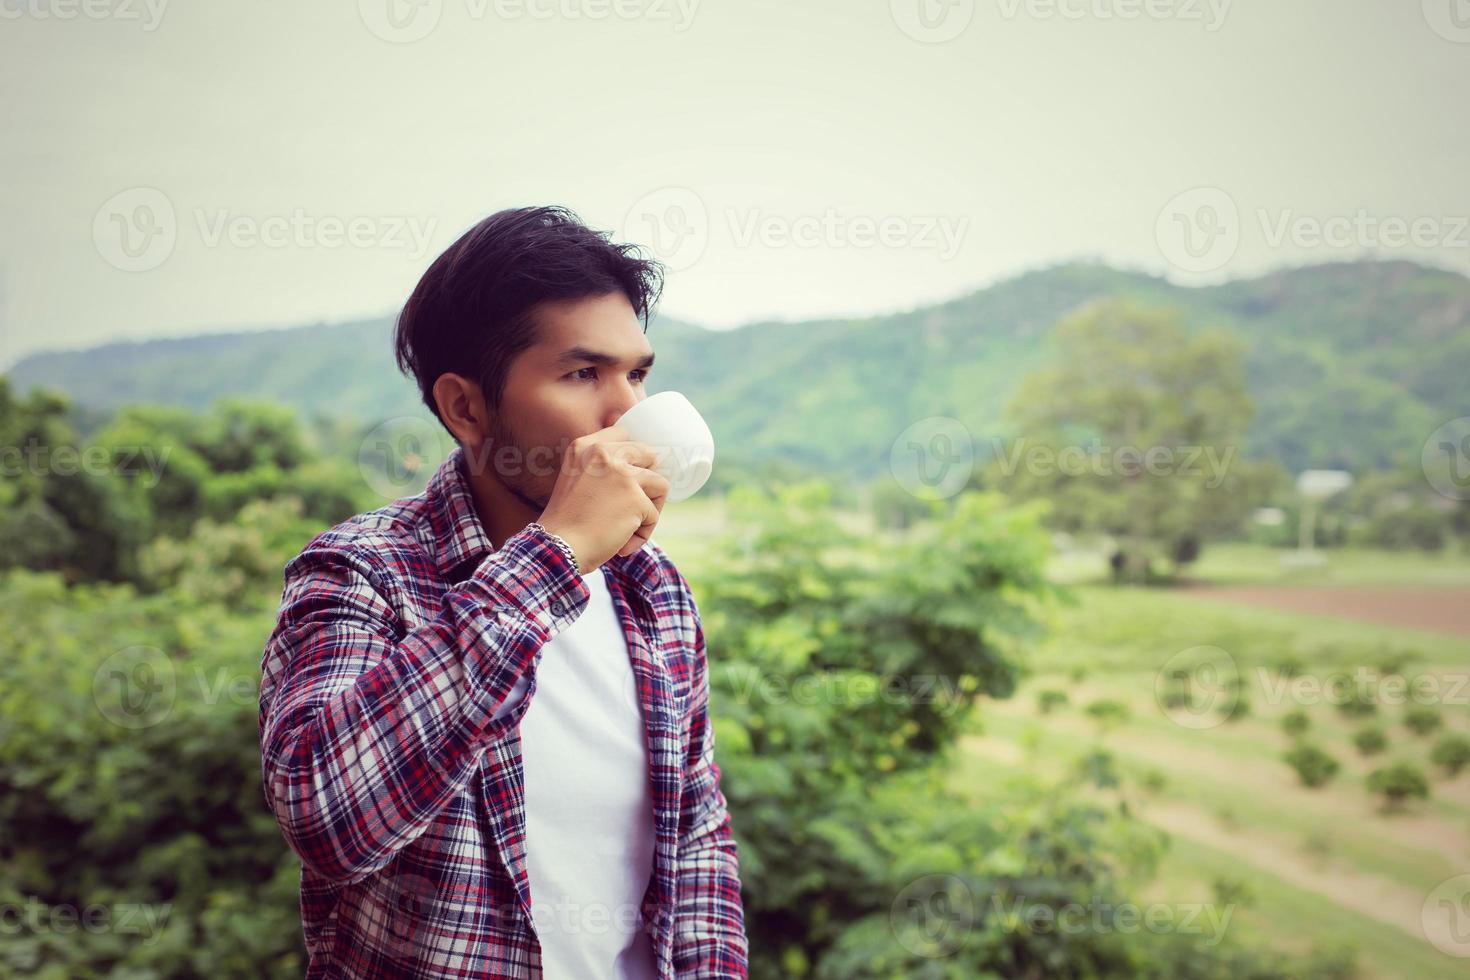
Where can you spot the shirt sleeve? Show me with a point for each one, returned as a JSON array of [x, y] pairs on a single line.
[[368, 729], [709, 919]]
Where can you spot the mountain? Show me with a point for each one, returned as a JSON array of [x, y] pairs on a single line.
[[1350, 364]]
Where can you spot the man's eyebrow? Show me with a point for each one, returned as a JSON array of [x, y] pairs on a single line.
[[573, 355]]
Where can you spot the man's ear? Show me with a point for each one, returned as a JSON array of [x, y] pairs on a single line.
[[462, 407]]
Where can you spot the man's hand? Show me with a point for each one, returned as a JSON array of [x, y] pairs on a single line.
[[607, 499]]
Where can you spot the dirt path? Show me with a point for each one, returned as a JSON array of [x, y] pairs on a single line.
[[1444, 610]]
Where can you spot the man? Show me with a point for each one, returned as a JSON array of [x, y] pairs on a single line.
[[484, 709]]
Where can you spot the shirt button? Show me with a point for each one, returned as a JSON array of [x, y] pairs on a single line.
[[557, 608]]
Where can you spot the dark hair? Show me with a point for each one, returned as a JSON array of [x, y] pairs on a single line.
[[474, 308]]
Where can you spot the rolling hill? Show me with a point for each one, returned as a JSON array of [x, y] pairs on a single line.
[[1350, 364]]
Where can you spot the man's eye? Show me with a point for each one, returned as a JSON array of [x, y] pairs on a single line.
[[640, 372]]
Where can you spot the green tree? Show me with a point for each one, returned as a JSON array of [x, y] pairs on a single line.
[[1049, 700], [59, 511], [1295, 723], [1452, 753], [1134, 430], [1313, 766], [1398, 783], [1422, 719], [1370, 740]]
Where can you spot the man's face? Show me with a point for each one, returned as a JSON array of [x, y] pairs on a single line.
[[587, 368]]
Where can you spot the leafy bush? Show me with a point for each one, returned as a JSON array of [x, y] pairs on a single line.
[[1370, 740], [1047, 701], [1295, 723], [1422, 719], [1108, 713], [1313, 766], [1288, 666], [1237, 703], [130, 785], [1452, 753], [1356, 702], [1398, 783]]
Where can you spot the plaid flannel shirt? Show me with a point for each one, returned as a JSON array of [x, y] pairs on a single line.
[[400, 633]]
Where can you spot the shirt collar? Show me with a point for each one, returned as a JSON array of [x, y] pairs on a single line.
[[462, 538]]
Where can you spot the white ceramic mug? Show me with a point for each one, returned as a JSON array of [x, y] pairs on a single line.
[[679, 435]]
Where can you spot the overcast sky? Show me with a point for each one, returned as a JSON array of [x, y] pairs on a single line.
[[176, 167]]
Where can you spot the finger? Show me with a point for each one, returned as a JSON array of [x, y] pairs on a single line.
[[655, 485], [635, 454], [640, 537]]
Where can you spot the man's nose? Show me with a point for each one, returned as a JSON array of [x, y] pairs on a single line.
[[627, 396]]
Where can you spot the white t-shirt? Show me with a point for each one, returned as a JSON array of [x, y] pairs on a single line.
[[589, 805]]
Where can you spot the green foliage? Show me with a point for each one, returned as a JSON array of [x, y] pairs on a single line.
[[1452, 753], [1237, 703], [843, 671], [1233, 891], [236, 564], [1166, 411], [90, 509], [1314, 767], [1398, 783], [1295, 723], [1108, 713], [1100, 768], [1422, 719], [130, 786], [1050, 699], [1355, 701], [1289, 666], [1370, 740]]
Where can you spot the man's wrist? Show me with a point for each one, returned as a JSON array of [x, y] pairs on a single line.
[[560, 542]]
